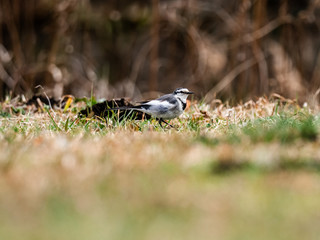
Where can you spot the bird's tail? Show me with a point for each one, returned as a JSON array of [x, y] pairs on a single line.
[[124, 108]]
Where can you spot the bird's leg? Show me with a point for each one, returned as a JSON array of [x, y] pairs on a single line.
[[166, 123], [160, 122]]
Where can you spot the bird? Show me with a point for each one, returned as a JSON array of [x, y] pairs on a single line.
[[166, 107]]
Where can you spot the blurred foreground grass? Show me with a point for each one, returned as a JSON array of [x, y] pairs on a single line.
[[247, 172]]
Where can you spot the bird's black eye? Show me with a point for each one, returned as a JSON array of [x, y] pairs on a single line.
[[182, 92]]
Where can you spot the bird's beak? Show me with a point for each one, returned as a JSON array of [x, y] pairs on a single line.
[[190, 92]]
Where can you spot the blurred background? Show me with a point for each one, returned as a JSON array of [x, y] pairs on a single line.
[[228, 49]]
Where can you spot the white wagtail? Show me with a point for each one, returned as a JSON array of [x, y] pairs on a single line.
[[168, 106]]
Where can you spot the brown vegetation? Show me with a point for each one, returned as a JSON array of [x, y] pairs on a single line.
[[230, 49]]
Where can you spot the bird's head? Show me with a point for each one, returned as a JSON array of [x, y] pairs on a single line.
[[183, 93]]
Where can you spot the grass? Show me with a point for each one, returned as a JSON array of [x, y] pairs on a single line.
[[244, 172]]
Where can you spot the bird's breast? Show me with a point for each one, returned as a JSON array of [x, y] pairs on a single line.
[[183, 103]]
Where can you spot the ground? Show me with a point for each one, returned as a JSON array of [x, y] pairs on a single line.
[[244, 172]]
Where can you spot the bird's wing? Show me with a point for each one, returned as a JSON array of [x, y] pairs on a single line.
[[167, 98]]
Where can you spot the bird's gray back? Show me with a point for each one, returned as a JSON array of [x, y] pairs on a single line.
[[169, 98]]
